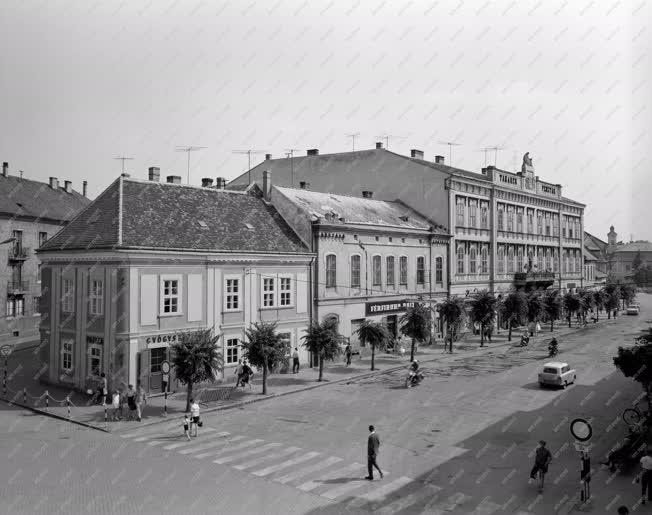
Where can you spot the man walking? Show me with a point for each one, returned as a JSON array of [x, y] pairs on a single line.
[[295, 361], [541, 461], [141, 400], [373, 443], [347, 353], [194, 416]]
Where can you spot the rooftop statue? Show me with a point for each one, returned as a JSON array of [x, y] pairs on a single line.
[[527, 160]]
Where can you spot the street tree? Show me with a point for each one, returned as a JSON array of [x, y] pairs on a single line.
[[598, 300], [415, 324], [637, 263], [587, 302], [375, 335], [636, 362], [483, 311], [627, 293], [264, 348], [535, 306], [452, 311], [572, 304], [612, 297], [552, 305], [324, 341], [514, 310], [196, 358]]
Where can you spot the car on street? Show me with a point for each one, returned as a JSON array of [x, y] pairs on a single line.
[[632, 310], [557, 373]]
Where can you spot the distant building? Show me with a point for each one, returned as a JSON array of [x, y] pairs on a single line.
[[148, 259], [30, 213], [624, 257]]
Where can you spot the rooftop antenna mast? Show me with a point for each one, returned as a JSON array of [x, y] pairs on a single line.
[[123, 159], [290, 153], [496, 148], [353, 135], [249, 152], [450, 144], [188, 149]]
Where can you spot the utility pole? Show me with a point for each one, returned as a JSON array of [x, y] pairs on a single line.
[[123, 159], [249, 152], [353, 136], [450, 144], [189, 149]]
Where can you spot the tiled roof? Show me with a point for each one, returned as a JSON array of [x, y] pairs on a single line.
[[588, 256], [636, 246], [25, 197], [452, 170], [342, 209], [173, 216]]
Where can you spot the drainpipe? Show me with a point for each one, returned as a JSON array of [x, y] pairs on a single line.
[[314, 283], [366, 269]]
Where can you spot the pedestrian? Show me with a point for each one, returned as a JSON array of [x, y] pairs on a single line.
[[373, 444], [347, 353], [238, 373], [141, 400], [194, 414], [623, 510], [131, 401], [246, 374], [541, 460], [646, 476], [537, 329], [103, 386], [295, 361], [115, 405], [186, 426]]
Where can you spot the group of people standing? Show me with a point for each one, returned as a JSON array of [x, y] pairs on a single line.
[[135, 400]]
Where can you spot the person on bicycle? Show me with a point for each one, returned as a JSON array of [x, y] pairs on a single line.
[[414, 367], [541, 461]]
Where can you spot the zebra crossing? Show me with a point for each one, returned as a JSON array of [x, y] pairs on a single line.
[[330, 477]]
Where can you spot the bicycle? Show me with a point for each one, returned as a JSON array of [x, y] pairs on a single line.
[[634, 418]]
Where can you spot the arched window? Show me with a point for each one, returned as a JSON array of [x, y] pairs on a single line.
[[355, 271], [331, 271], [510, 260], [390, 271], [460, 260], [484, 262], [421, 270], [377, 276], [501, 260], [403, 270], [473, 261], [439, 270]]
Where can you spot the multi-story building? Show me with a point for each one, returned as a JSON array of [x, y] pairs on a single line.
[[625, 257], [146, 260], [508, 229], [30, 213], [374, 258]]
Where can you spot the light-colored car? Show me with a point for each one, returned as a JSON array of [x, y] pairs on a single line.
[[557, 373], [632, 310]]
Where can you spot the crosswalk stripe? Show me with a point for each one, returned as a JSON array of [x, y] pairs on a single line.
[[408, 500], [311, 485], [288, 463], [347, 487], [250, 452], [302, 472], [237, 447], [280, 454], [192, 442], [486, 508], [381, 492], [168, 438], [209, 445], [156, 428], [446, 506]]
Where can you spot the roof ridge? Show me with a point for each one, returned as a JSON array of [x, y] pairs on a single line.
[[396, 201], [179, 185], [59, 189]]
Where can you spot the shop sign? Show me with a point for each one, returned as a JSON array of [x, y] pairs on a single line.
[[392, 306], [161, 338]]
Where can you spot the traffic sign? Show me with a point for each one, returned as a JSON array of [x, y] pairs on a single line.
[[582, 447], [5, 350], [165, 367], [581, 430]]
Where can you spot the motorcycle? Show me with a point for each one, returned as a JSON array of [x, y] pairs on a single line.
[[553, 348], [524, 341], [413, 378]]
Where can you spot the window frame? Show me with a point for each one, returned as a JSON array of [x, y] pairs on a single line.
[[331, 275], [460, 260], [473, 213], [289, 291], [235, 297], [36, 304], [484, 260], [500, 253], [510, 260], [421, 280], [376, 258], [484, 216], [439, 270], [473, 260], [403, 260], [510, 219], [460, 213], [352, 258], [68, 296], [501, 219], [163, 297], [227, 348], [70, 352], [42, 240], [390, 278], [90, 346], [267, 296], [519, 259]]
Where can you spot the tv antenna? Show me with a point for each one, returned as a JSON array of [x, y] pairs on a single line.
[[353, 135], [249, 152], [386, 138], [290, 153], [450, 144], [123, 159], [188, 150], [495, 148]]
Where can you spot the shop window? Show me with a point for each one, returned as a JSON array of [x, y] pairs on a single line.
[[171, 300], [403, 270], [95, 345], [390, 272], [232, 351], [66, 354], [286, 291], [355, 271], [376, 270], [439, 270], [156, 358], [331, 271], [268, 292], [96, 297], [232, 294]]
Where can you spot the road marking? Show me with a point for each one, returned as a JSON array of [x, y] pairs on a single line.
[[209, 445], [167, 439], [307, 470], [255, 462], [153, 429], [351, 484], [288, 463], [381, 492], [408, 500], [191, 442], [240, 455], [486, 508], [311, 485], [242, 445], [446, 506]]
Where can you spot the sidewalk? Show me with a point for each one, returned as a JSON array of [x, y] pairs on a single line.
[[25, 389]]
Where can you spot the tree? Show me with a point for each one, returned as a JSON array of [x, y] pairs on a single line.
[[572, 304], [535, 307], [323, 341], [452, 312], [483, 311], [552, 305], [587, 301], [373, 334], [196, 358], [612, 297], [415, 324], [264, 348], [514, 310], [636, 362], [627, 293], [598, 300], [637, 262]]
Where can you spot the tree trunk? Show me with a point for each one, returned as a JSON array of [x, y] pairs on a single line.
[[265, 378], [373, 355], [569, 321], [608, 314], [188, 397], [481, 335], [509, 332], [552, 324], [412, 351], [321, 368]]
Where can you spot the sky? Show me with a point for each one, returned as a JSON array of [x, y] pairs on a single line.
[[568, 81]]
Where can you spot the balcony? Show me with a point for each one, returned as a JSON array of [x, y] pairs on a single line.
[[534, 280], [18, 253], [17, 287]]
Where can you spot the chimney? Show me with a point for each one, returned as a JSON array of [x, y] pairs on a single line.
[[417, 154], [268, 157], [304, 185], [367, 194], [154, 173], [5, 169], [54, 183], [125, 174], [206, 182], [379, 145], [267, 185], [85, 188], [174, 179], [313, 152], [220, 183], [439, 160], [484, 171], [68, 186]]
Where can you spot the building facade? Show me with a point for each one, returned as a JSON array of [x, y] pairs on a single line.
[[625, 258], [30, 213], [147, 260], [374, 258]]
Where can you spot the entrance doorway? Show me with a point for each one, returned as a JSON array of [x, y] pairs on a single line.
[[391, 321]]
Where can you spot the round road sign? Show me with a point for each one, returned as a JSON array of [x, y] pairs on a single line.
[[5, 350], [165, 367], [581, 430]]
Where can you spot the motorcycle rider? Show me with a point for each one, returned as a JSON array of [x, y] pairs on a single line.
[[415, 373], [553, 347]]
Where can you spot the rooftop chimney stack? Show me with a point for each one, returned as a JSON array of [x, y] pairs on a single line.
[[206, 182], [154, 173], [68, 186], [174, 179], [54, 183], [313, 152], [267, 185], [5, 169], [304, 185], [220, 183], [417, 154], [85, 188], [125, 174], [268, 157], [439, 160], [367, 194], [379, 145]]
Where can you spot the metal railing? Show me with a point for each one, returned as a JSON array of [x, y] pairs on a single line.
[[17, 286], [18, 252]]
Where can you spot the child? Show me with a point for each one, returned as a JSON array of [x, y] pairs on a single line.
[[186, 426], [115, 405]]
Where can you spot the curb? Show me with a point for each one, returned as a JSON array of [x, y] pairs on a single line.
[[54, 415]]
